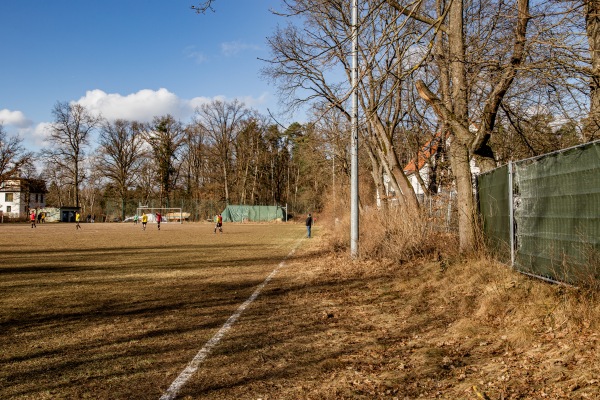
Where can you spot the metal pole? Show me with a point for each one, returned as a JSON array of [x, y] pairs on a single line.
[[354, 142], [511, 214]]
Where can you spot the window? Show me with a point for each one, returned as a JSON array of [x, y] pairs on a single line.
[[36, 197], [41, 198], [8, 197], [8, 209]]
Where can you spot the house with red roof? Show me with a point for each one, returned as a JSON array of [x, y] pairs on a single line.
[[424, 166]]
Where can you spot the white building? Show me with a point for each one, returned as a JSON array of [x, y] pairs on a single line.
[[18, 196], [423, 165]]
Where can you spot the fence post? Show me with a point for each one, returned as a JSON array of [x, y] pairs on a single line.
[[511, 214]]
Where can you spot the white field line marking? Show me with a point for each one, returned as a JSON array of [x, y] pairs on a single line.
[[192, 367]]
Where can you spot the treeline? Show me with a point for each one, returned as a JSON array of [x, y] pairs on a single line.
[[227, 154]]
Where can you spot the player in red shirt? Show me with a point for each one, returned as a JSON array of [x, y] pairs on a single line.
[[158, 219]]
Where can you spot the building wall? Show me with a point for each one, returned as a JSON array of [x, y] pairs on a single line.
[[14, 202], [9, 204]]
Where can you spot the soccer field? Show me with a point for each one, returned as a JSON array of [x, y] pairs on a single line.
[[111, 311]]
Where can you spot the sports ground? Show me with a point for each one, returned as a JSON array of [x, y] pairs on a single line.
[[111, 311], [114, 312]]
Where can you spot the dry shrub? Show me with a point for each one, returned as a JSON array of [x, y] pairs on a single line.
[[576, 306], [399, 235], [339, 238], [587, 276], [392, 234]]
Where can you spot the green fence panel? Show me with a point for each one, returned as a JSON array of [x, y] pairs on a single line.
[[241, 213], [494, 211], [557, 213]]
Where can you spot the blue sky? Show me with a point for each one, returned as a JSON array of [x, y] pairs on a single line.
[[131, 59]]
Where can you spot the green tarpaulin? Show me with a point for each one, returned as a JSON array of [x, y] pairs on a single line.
[[240, 213], [556, 217], [557, 213]]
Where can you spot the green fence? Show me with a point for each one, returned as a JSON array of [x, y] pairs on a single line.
[[241, 213], [495, 211], [552, 204]]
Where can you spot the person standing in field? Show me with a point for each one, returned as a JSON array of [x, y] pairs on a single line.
[[77, 218], [158, 219], [309, 224], [144, 221], [218, 223], [32, 218], [135, 219]]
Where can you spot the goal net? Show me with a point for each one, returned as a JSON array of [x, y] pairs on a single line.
[[171, 214]]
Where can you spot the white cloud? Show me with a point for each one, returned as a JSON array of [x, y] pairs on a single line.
[[146, 104], [34, 136], [141, 106], [255, 102], [15, 118], [232, 48], [40, 133]]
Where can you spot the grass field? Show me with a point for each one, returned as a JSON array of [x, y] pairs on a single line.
[[111, 311]]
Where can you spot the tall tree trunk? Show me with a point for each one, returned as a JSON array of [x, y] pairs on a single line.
[[245, 181], [391, 164], [459, 153], [377, 175], [76, 182], [254, 184], [225, 184], [459, 159], [453, 111], [592, 20]]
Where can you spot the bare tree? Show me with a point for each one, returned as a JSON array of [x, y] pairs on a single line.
[[121, 152], [194, 161], [313, 65], [91, 190], [249, 149], [203, 6], [12, 155], [456, 85], [148, 184], [166, 136], [59, 183], [69, 137], [222, 122]]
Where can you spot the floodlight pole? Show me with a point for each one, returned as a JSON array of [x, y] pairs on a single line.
[[354, 141]]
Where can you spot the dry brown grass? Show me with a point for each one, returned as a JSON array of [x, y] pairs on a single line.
[[394, 235], [111, 311], [119, 319]]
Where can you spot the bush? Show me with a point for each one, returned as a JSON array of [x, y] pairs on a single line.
[[393, 234]]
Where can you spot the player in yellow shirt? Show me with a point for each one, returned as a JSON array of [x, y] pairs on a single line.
[[144, 221]]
